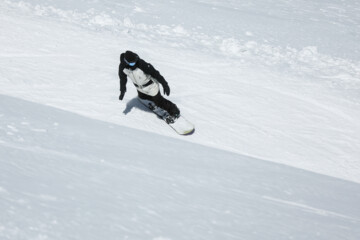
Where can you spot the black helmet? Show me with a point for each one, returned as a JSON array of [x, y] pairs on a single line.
[[131, 58]]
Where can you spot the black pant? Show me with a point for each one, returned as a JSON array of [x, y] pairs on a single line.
[[161, 102]]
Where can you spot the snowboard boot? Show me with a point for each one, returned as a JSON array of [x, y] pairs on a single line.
[[174, 111]]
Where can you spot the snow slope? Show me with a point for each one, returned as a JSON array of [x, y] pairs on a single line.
[[245, 93], [248, 89], [268, 80], [64, 176]]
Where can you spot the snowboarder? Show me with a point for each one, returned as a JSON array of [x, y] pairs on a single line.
[[146, 80]]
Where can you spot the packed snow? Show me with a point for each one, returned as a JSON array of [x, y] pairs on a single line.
[[272, 87]]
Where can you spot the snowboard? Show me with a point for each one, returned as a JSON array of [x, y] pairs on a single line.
[[181, 125]]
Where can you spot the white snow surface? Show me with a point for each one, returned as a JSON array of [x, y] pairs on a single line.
[[272, 87]]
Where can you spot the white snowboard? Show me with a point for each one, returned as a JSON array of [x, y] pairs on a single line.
[[182, 126]]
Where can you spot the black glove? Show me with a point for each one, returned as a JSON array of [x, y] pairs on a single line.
[[166, 89], [121, 95]]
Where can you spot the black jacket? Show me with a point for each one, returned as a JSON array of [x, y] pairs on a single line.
[[147, 68]]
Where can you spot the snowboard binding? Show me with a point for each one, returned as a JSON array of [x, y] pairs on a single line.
[[171, 119], [175, 121]]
